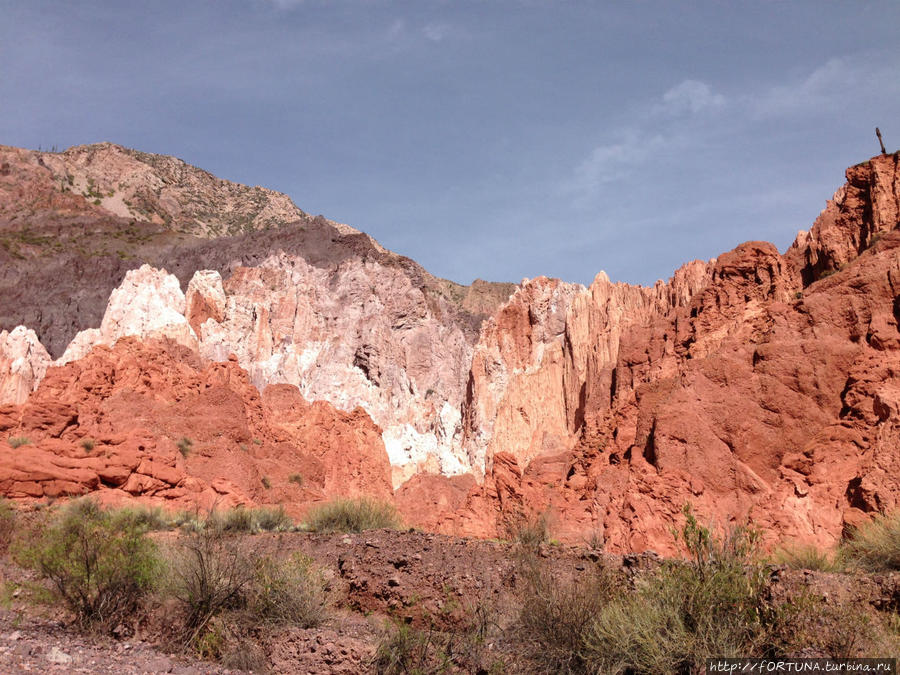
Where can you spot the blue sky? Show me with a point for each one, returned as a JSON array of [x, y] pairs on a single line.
[[495, 140]]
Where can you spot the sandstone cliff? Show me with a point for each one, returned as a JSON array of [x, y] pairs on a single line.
[[755, 386]]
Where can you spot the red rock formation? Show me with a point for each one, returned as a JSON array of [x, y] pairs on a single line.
[[113, 422], [754, 391]]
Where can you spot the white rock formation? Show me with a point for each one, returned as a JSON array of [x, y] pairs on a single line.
[[23, 363], [148, 303]]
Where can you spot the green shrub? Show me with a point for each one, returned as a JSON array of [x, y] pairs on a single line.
[[18, 441], [185, 445], [530, 532], [557, 615], [189, 521], [290, 591], [631, 633], [238, 519], [352, 515], [211, 573], [150, 518], [805, 557], [8, 524], [271, 519], [87, 444], [711, 604], [227, 590], [296, 478], [677, 615], [242, 519], [266, 483], [100, 566], [404, 650], [874, 546]]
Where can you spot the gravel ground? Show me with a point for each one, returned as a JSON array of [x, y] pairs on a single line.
[[29, 645]]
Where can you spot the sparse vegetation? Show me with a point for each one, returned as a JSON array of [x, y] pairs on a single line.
[[226, 588], [715, 602], [18, 441], [150, 518], [87, 444], [352, 515], [805, 557], [242, 519], [711, 604], [230, 589], [558, 615], [210, 574], [530, 532], [8, 524], [266, 483], [875, 546], [296, 478], [100, 566], [290, 591], [185, 445], [404, 649], [271, 519]]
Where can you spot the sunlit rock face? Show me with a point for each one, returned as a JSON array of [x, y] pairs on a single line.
[[357, 334], [148, 304], [23, 363], [753, 386]]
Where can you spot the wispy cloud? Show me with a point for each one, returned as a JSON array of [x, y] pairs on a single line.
[[396, 30], [612, 161], [406, 34], [690, 96], [837, 80], [285, 4], [656, 128], [691, 112]]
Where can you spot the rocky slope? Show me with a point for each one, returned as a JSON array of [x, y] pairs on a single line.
[[73, 223], [299, 300], [756, 385], [148, 418]]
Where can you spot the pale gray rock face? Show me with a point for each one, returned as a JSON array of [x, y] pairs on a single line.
[[356, 334], [149, 303], [158, 188], [23, 363]]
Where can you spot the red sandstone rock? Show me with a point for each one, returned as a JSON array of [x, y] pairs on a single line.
[[756, 393], [112, 421]]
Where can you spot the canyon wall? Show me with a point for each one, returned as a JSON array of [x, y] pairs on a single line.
[[754, 386]]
